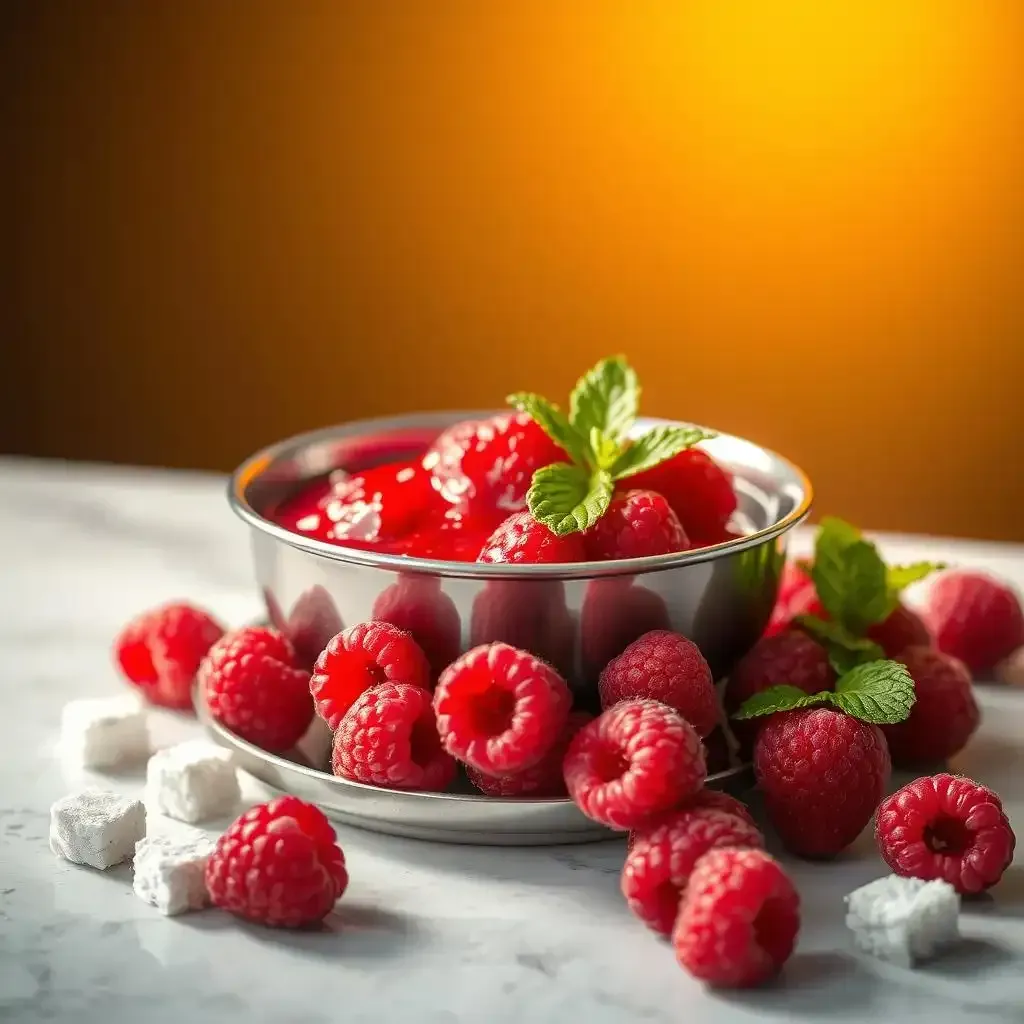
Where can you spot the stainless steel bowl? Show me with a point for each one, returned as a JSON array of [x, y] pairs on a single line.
[[576, 616]]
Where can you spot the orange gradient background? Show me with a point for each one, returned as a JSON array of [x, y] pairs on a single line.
[[803, 222]]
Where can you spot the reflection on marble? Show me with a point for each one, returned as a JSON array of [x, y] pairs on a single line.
[[426, 933]]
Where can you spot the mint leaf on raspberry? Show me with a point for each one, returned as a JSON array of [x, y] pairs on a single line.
[[779, 698], [899, 577], [881, 692], [553, 422], [850, 577], [568, 498], [845, 651], [657, 445], [606, 397]]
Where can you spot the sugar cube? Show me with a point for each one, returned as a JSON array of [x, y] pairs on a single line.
[[192, 781], [96, 828], [170, 873], [104, 732], [903, 920]]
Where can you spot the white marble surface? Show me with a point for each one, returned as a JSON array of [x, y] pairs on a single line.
[[426, 933]]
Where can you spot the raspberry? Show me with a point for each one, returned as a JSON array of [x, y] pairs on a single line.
[[279, 864], [252, 686], [615, 613], [490, 463], [667, 667], [544, 779], [500, 709], [704, 799], [360, 657], [902, 629], [388, 737], [796, 596], [418, 605], [521, 539], [528, 614], [160, 652], [738, 920], [975, 618], [314, 619], [637, 524], [822, 774], [698, 490], [944, 714], [661, 859], [946, 827], [637, 759]]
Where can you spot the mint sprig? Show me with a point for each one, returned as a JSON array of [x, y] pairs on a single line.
[[568, 497], [845, 651], [880, 692]]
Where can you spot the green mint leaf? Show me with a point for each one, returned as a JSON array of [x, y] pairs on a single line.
[[899, 577], [845, 651], [779, 698], [881, 692], [606, 397], [553, 422], [839, 531], [850, 577], [657, 445], [567, 499], [604, 450]]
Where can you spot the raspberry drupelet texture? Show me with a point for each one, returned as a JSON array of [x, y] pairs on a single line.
[[738, 920], [902, 629], [418, 605], [388, 737], [822, 774], [703, 799], [637, 759], [616, 611], [664, 666], [500, 709], [362, 656], [636, 525], [160, 652], [542, 780], [945, 713], [662, 858], [251, 685], [279, 864], [520, 539], [946, 827]]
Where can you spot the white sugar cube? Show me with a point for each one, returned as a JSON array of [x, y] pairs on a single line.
[[96, 828], [170, 873], [104, 732], [192, 781], [903, 920]]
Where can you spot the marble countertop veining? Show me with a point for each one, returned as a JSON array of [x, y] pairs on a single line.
[[426, 933]]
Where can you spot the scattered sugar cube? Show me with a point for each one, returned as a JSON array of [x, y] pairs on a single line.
[[192, 781], [903, 920], [96, 828], [170, 873], [104, 732]]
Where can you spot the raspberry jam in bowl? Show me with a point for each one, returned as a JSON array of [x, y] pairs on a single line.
[[374, 520]]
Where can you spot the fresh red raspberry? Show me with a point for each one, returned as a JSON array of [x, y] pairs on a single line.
[[388, 737], [418, 605], [252, 686], [279, 864], [946, 827], [661, 859], [738, 920], [696, 487], [902, 629], [637, 524], [529, 614], [637, 759], [160, 652], [945, 713], [490, 463], [822, 774], [544, 779], [722, 535], [703, 799], [360, 657], [521, 539], [500, 709], [796, 596], [615, 613], [667, 667], [975, 618]]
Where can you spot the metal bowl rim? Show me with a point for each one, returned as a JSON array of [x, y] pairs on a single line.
[[265, 458]]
